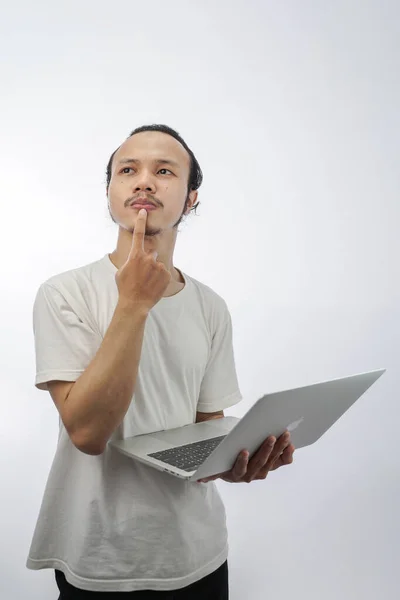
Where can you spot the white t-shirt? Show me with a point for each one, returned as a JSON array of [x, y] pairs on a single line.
[[109, 522]]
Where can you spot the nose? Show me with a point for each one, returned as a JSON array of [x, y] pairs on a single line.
[[144, 182]]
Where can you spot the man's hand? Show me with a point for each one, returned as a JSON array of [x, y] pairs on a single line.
[[271, 455]]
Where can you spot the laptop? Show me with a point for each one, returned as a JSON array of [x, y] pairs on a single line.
[[204, 449]]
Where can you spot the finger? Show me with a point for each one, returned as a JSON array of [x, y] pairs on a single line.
[[259, 459], [287, 455], [270, 465], [240, 468], [281, 444], [139, 230], [286, 458], [263, 460]]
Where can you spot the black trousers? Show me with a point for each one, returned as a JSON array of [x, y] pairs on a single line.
[[213, 587]]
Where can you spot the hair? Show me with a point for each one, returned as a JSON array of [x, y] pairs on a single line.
[[195, 174]]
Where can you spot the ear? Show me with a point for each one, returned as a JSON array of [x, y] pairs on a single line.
[[192, 200]]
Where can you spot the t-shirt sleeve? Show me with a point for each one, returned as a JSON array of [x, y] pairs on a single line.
[[65, 342], [219, 388]]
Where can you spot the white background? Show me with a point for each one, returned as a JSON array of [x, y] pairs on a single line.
[[292, 109]]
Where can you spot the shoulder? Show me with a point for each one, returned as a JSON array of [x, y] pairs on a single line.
[[213, 307], [75, 281], [73, 297], [208, 295]]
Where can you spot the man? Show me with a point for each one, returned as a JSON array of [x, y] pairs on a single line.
[[129, 345]]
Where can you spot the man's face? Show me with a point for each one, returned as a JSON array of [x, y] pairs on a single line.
[[136, 172]]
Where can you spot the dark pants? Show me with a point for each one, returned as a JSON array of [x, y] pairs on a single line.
[[212, 587]]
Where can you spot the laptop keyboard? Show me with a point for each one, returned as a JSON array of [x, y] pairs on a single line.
[[190, 456]]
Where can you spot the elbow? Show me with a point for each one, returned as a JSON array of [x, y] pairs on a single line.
[[91, 450], [88, 446]]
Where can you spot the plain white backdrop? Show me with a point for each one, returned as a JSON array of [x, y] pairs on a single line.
[[292, 109]]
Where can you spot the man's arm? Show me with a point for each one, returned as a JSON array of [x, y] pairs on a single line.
[[93, 407], [200, 416]]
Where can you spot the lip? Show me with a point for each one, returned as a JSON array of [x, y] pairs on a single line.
[[139, 205]]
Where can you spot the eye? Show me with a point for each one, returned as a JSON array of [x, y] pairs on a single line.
[[126, 169]]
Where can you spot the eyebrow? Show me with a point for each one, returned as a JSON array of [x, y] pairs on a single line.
[[158, 161]]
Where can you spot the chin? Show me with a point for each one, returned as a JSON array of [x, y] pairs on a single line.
[[149, 233]]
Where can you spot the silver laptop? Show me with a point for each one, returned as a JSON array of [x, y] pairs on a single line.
[[204, 449]]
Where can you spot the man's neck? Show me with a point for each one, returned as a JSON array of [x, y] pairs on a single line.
[[177, 282]]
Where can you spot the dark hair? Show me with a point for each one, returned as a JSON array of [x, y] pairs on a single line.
[[195, 174]]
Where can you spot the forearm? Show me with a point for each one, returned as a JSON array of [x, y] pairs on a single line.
[[101, 396], [200, 417]]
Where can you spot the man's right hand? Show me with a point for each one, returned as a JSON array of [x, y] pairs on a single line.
[[141, 281]]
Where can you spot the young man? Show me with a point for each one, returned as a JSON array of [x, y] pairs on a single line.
[[128, 345]]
